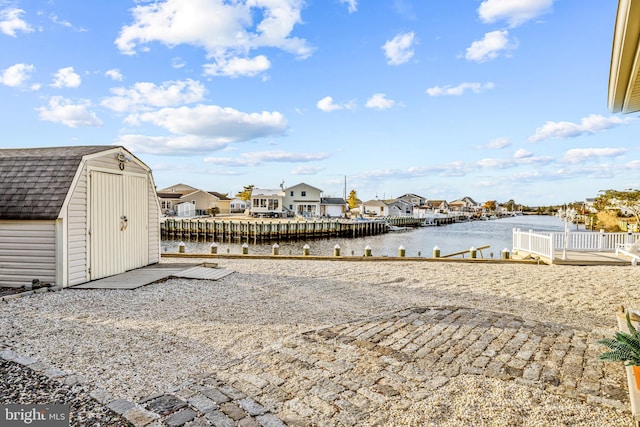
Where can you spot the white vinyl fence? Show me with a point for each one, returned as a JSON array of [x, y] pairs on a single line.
[[546, 244]]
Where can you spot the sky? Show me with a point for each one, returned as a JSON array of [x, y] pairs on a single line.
[[491, 99]]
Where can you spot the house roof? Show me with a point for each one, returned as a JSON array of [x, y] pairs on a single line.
[[35, 181], [624, 73], [168, 195], [220, 196], [332, 201], [375, 202], [266, 192], [303, 184]]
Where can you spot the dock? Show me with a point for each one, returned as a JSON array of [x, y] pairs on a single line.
[[277, 230]]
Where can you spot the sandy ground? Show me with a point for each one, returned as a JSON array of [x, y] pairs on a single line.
[[135, 343]]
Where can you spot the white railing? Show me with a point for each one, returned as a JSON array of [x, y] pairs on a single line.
[[546, 244]]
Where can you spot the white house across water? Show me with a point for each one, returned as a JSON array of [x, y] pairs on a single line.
[[69, 215]]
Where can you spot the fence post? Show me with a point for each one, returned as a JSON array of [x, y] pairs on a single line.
[[214, 248], [401, 251], [336, 250], [436, 252], [367, 250], [181, 247], [306, 250], [245, 249], [275, 249], [472, 252]]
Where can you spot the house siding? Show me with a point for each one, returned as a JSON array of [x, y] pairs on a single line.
[[27, 252]]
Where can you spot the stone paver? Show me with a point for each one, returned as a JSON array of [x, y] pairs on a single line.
[[348, 374]]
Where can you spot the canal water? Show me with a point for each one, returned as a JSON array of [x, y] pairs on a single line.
[[419, 241]]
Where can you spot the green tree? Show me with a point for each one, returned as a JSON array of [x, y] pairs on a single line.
[[628, 200], [352, 200], [245, 194], [490, 205]]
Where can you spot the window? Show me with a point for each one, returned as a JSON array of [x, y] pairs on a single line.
[[303, 193], [291, 193]]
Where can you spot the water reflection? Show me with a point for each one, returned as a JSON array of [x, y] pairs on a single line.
[[417, 242]]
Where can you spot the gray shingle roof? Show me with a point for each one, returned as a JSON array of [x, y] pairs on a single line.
[[35, 181]]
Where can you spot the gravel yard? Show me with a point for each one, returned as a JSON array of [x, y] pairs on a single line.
[[136, 343]]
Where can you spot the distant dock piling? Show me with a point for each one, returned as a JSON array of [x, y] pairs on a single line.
[[261, 231]]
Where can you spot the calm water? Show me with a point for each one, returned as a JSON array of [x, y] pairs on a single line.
[[417, 242]]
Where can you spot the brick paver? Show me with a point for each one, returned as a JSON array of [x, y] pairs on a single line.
[[349, 373]]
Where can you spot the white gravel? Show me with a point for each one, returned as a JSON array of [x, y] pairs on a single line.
[[135, 343]]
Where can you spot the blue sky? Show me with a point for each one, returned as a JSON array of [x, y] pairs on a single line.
[[493, 99]]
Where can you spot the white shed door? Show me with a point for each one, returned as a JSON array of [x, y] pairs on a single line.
[[119, 240]]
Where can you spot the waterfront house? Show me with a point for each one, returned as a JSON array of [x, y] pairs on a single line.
[[303, 199], [222, 203], [69, 215], [204, 202], [374, 207], [333, 207], [267, 202], [465, 204], [414, 199], [399, 207], [237, 205], [439, 206]]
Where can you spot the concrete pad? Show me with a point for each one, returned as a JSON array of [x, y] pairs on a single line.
[[153, 273]]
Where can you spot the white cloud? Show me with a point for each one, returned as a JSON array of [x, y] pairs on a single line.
[[10, 22], [495, 163], [307, 170], [66, 77], [522, 154], [490, 46], [588, 125], [114, 74], [326, 104], [61, 110], [460, 89], [143, 95], [380, 101], [169, 145], [499, 143], [258, 157], [224, 29], [220, 124], [16, 75], [352, 5], [177, 62], [578, 155], [63, 22], [399, 49], [515, 12], [236, 67]]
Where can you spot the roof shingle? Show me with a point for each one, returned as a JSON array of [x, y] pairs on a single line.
[[34, 181]]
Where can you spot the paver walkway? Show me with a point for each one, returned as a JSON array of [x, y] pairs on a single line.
[[352, 373]]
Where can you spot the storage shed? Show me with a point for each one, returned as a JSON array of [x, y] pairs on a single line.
[[69, 215]]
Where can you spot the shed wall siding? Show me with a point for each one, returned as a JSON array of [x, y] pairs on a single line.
[[77, 232], [154, 224], [27, 252]]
